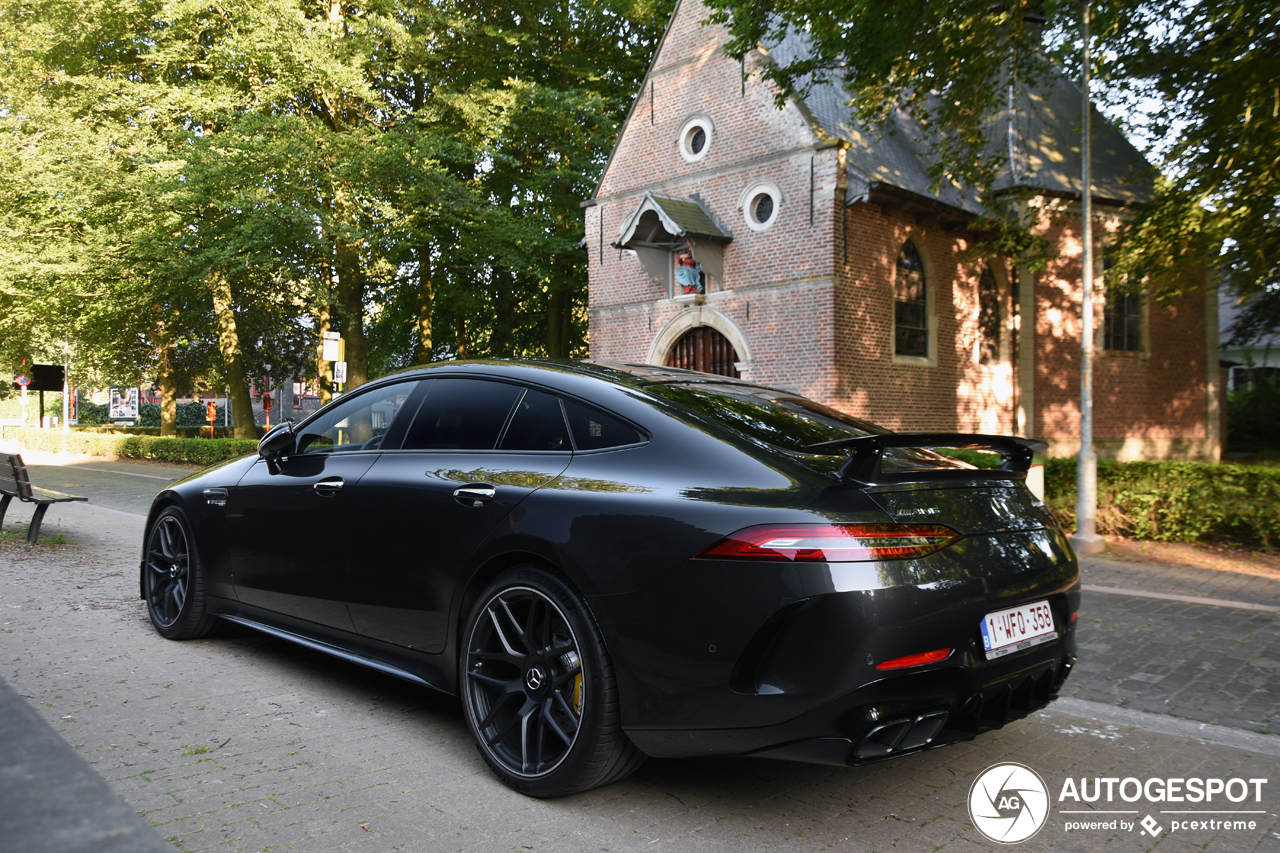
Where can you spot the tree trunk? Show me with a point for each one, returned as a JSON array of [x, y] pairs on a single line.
[[351, 310], [350, 300], [460, 327], [501, 344], [168, 383], [426, 304], [324, 369], [232, 357], [558, 309]]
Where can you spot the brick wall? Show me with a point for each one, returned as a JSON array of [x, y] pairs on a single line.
[[1147, 404], [954, 392]]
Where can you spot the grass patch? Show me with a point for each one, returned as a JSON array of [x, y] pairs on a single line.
[[192, 749]]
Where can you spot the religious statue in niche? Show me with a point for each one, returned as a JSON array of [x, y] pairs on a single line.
[[689, 275]]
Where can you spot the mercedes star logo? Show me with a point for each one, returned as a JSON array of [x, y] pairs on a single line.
[[534, 678]]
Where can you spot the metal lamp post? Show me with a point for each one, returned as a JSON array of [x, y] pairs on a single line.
[[1086, 539]]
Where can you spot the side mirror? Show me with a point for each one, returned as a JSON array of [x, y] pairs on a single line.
[[279, 442]]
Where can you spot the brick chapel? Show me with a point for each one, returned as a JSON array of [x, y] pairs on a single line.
[[828, 265]]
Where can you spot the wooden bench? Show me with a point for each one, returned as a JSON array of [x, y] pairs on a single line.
[[15, 482]]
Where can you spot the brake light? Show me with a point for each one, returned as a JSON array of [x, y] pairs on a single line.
[[832, 543], [915, 660]]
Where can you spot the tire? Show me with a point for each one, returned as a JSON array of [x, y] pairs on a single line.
[[538, 688], [173, 579]]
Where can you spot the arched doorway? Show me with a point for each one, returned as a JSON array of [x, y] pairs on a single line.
[[706, 350]]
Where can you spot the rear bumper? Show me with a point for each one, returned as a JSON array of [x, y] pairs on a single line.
[[745, 659], [887, 719]]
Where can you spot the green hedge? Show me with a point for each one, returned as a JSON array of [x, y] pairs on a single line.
[[203, 451], [1175, 501], [183, 431], [189, 414]]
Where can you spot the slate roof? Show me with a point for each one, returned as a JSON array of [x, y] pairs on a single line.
[[1044, 144]]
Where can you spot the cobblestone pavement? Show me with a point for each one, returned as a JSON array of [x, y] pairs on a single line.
[[1262, 588], [244, 742], [1213, 664]]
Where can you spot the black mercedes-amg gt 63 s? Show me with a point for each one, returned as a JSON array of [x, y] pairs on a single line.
[[613, 561]]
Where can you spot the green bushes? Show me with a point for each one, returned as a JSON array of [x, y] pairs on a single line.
[[1175, 501], [183, 431], [189, 414], [203, 451]]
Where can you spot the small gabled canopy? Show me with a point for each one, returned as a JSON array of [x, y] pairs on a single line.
[[660, 222]]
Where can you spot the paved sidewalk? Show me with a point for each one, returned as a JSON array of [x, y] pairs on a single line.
[[244, 742], [55, 802], [1262, 588], [1173, 654]]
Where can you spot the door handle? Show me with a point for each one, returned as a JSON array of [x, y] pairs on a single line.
[[474, 494], [328, 488]]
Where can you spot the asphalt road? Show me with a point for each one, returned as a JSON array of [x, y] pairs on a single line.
[[244, 742]]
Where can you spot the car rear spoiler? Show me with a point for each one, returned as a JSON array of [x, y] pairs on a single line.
[[864, 465]]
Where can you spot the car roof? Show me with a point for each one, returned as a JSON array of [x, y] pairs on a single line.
[[624, 374]]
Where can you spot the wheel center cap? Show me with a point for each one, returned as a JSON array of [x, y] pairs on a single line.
[[173, 570], [535, 678]]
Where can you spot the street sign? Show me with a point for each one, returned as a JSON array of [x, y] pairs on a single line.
[[330, 336], [266, 402], [124, 403], [47, 377], [22, 380], [331, 348], [210, 412], [339, 371]]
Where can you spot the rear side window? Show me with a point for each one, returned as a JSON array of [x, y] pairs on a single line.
[[594, 430], [538, 424], [461, 414]]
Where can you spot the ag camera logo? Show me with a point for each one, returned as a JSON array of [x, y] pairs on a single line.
[[1008, 803]]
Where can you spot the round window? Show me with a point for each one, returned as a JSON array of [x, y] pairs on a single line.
[[760, 204], [695, 138], [762, 208]]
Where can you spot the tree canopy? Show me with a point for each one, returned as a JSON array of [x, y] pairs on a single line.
[[1199, 81], [196, 190]]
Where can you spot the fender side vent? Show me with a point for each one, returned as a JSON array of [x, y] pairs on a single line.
[[747, 670]]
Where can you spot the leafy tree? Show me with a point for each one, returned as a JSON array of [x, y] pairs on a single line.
[[1198, 80]]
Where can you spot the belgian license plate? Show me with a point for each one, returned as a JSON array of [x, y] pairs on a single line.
[[1007, 631]]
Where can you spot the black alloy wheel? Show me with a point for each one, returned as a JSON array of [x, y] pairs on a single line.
[[539, 690], [173, 582]]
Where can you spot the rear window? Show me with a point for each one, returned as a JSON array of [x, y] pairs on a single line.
[[774, 417], [790, 422]]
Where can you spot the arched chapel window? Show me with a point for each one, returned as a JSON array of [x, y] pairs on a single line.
[[910, 305], [988, 318]]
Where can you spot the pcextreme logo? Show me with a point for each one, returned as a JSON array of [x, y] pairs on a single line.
[[1010, 803]]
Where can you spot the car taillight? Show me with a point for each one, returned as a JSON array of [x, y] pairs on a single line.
[[832, 543], [915, 660]]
